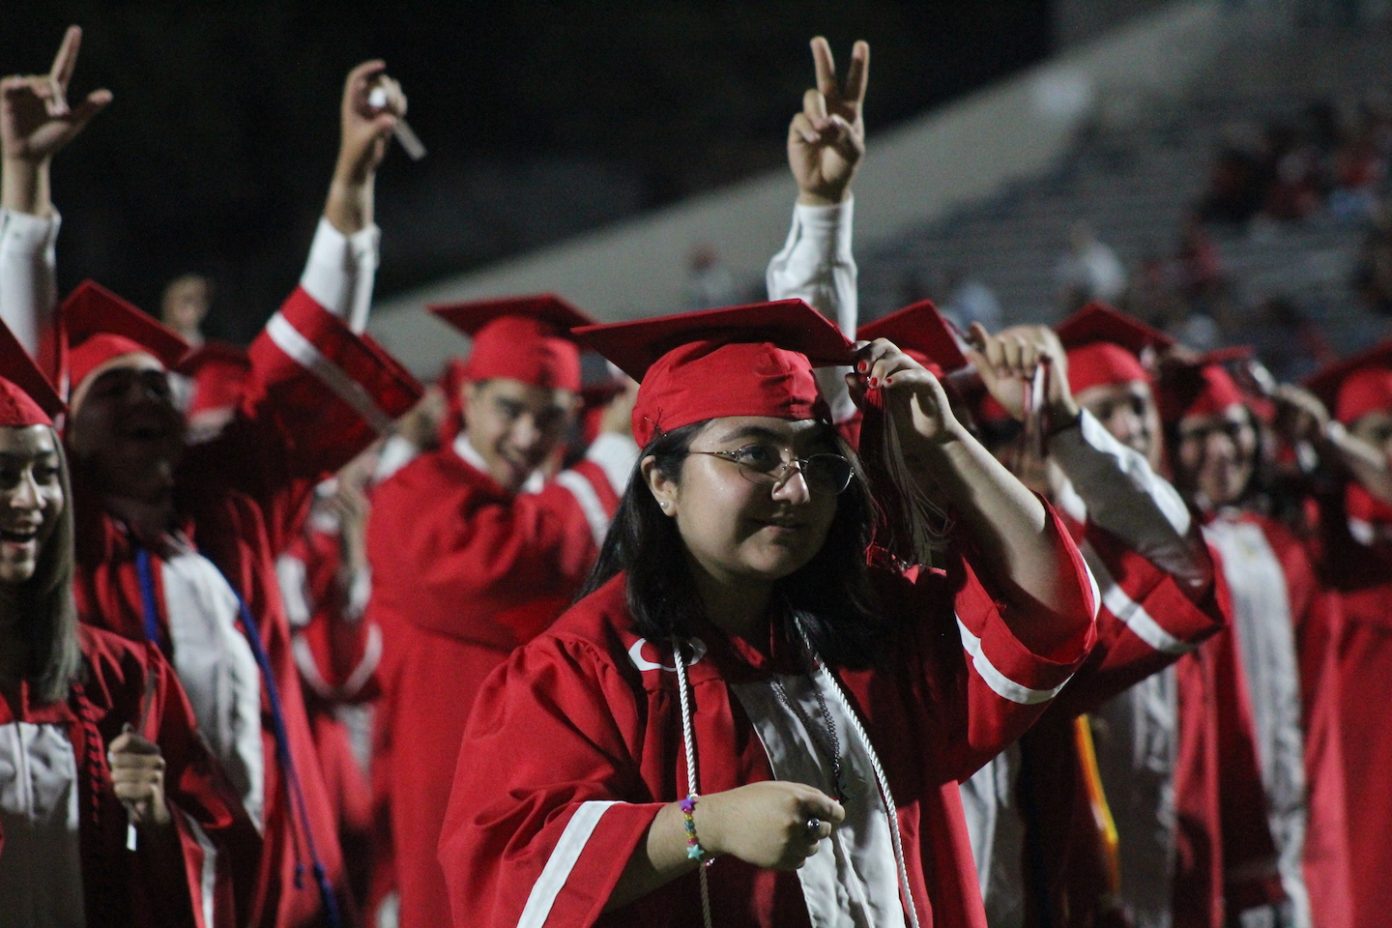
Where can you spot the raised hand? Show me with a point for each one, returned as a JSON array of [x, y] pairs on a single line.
[[366, 129], [912, 395], [826, 141], [765, 824], [35, 118], [1008, 360], [36, 122], [137, 777]]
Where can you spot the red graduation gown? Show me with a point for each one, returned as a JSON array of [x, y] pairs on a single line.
[[1359, 576], [124, 683], [462, 573], [337, 652], [575, 744], [1315, 616], [1146, 622], [316, 395]]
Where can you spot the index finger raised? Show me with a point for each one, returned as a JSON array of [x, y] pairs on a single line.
[[65, 61]]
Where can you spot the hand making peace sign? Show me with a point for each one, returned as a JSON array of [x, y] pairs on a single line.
[[826, 141]]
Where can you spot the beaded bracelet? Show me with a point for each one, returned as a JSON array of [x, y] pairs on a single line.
[[694, 851]]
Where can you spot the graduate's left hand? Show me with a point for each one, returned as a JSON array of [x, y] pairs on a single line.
[[912, 395], [137, 778]]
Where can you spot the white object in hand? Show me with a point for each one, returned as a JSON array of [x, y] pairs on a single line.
[[377, 98]]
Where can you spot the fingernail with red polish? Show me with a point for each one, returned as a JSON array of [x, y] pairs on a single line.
[[874, 381]]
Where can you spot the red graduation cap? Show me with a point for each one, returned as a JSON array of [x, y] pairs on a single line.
[[753, 360], [99, 326], [1357, 385], [1106, 347], [923, 333], [26, 396], [219, 372], [1201, 387], [524, 338]]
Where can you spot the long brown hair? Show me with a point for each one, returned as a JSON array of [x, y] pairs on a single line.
[[45, 608]]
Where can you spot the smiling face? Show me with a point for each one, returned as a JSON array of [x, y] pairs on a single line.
[[31, 498], [741, 531], [1216, 455], [125, 428], [515, 426]]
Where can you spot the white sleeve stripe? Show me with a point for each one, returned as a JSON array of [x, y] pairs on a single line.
[[303, 352], [588, 499], [562, 860], [999, 683], [1131, 614], [208, 874], [290, 571], [309, 668]]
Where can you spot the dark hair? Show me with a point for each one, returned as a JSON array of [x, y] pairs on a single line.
[[1257, 491], [832, 592], [43, 604]]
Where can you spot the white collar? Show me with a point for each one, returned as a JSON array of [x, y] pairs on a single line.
[[469, 454]]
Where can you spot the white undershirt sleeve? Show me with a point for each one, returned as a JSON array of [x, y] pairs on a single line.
[[816, 265], [28, 291], [341, 271], [1124, 496]]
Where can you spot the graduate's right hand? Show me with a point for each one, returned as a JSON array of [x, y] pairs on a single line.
[[765, 824]]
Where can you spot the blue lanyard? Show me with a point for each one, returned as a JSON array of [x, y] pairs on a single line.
[[294, 789]]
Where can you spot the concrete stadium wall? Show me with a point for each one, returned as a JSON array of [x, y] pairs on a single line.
[[915, 173]]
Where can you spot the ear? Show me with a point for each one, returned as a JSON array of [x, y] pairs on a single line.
[[664, 489]]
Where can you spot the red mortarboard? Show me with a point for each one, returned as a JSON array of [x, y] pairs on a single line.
[[1105, 347], [219, 372], [523, 338], [1357, 385], [923, 333], [98, 325], [753, 360], [1199, 388], [26, 396]]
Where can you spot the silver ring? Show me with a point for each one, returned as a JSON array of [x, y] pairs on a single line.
[[814, 829]]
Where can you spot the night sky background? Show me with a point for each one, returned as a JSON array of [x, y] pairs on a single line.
[[542, 119]]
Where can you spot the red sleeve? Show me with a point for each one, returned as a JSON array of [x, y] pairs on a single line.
[[474, 551], [548, 803], [316, 395], [1145, 623], [994, 686], [336, 651]]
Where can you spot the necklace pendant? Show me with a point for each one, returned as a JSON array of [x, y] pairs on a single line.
[[851, 787]]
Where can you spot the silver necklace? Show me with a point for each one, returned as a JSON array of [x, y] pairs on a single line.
[[826, 741]]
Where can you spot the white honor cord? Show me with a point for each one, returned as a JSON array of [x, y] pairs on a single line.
[[689, 739], [890, 809]]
